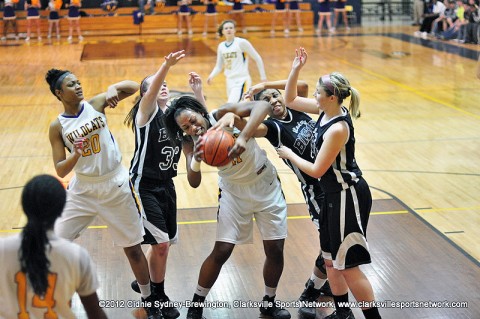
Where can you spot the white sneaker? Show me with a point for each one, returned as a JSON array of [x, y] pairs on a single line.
[[190, 32], [286, 31], [204, 34], [179, 32], [347, 28], [80, 38], [69, 39], [424, 35], [3, 38], [39, 39], [331, 30], [300, 29], [417, 34], [58, 36], [27, 39], [49, 36]]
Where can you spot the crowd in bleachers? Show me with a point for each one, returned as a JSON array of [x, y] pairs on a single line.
[[457, 21]]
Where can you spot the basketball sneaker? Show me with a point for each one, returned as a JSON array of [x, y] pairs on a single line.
[[312, 294], [272, 310], [167, 312], [152, 311], [195, 313], [341, 314]]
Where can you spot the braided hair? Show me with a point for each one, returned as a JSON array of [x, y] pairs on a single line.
[[43, 199]]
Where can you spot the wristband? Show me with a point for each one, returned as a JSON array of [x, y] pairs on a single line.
[[195, 165]]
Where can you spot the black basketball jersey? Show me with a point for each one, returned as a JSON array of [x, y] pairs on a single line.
[[155, 158], [344, 171], [295, 132]]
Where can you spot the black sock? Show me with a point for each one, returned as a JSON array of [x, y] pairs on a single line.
[[341, 299], [158, 288], [371, 313]]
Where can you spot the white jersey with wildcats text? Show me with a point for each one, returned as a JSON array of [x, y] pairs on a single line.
[[101, 154], [71, 270]]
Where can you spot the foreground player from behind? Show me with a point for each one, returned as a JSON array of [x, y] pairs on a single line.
[[249, 188], [348, 201], [41, 272], [101, 185]]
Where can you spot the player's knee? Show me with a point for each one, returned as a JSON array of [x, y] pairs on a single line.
[[134, 253], [274, 250], [221, 252], [160, 249]]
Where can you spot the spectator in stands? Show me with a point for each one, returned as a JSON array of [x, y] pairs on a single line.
[[454, 31], [53, 17], [472, 28], [280, 10], [294, 10], [9, 19], [74, 19], [324, 14], [210, 12], [237, 14], [340, 8], [433, 11], [33, 14], [418, 11], [184, 13], [445, 20], [150, 4]]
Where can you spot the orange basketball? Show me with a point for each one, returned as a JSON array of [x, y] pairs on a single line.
[[216, 146]]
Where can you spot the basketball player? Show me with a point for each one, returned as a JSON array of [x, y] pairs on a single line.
[[348, 200], [100, 186], [41, 272], [231, 56], [293, 129], [153, 166], [249, 188]]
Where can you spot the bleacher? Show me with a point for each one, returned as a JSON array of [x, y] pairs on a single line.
[[98, 22]]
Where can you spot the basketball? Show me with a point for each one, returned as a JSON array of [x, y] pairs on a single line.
[[216, 146]]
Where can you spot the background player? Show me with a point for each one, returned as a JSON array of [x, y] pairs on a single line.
[[231, 57], [40, 271]]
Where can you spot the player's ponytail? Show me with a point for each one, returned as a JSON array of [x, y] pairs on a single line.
[[43, 199], [130, 118]]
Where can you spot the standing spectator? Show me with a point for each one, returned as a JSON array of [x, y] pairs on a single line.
[[184, 13], [348, 201], [231, 58], [294, 10], [101, 185], [74, 19], [9, 19], [32, 7], [340, 8], [280, 10], [472, 29], [249, 188], [210, 12], [418, 11], [324, 14], [53, 17], [40, 271]]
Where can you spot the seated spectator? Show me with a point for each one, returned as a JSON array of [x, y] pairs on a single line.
[[445, 20], [109, 6], [433, 11]]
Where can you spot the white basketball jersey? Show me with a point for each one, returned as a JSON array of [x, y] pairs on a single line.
[[243, 169], [71, 270], [101, 154], [234, 58]]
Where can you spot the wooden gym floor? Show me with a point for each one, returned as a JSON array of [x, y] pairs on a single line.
[[417, 144]]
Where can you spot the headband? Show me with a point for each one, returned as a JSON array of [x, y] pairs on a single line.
[[328, 84], [58, 82]]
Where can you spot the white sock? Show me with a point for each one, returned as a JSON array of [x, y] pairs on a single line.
[[145, 290], [271, 292], [318, 282], [202, 292]]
